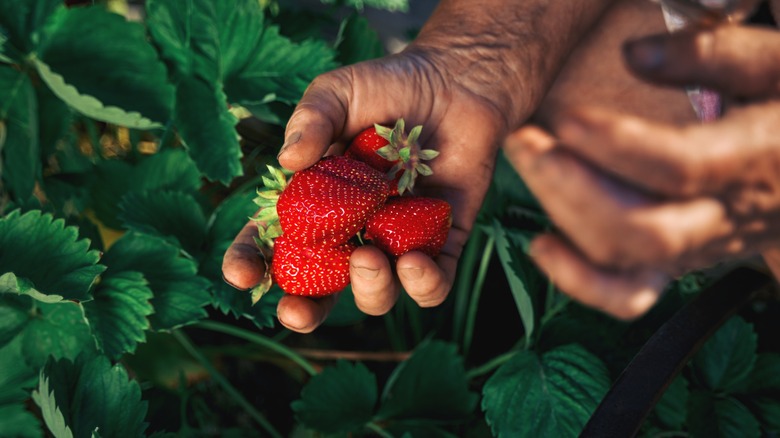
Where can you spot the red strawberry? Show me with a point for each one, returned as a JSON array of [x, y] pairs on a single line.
[[310, 270], [410, 223], [393, 152], [330, 202]]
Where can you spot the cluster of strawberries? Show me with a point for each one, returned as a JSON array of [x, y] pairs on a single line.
[[315, 220]]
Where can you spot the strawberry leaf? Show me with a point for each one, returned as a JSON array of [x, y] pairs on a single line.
[[20, 164], [672, 409], [725, 362], [225, 222], [357, 41], [90, 395], [170, 169], [179, 293], [225, 52], [431, 384], [388, 5], [517, 276], [172, 215], [16, 379], [21, 21], [72, 58], [549, 395], [205, 122], [59, 330], [228, 300], [27, 240], [341, 399], [717, 415], [119, 313]]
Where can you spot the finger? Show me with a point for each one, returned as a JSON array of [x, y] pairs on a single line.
[[373, 281], [242, 265], [661, 158], [316, 121], [611, 223], [737, 60], [303, 314], [624, 295], [423, 280]]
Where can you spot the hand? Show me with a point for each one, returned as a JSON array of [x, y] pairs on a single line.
[[464, 127], [638, 201], [474, 71]]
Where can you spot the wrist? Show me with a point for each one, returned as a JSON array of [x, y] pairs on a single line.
[[508, 53]]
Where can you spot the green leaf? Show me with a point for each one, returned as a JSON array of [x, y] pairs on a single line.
[[238, 303], [763, 391], [15, 380], [671, 410], [345, 312], [107, 70], [431, 384], [14, 317], [39, 249], [511, 258], [20, 162], [713, 416], [388, 5], [170, 169], [549, 395], [208, 129], [341, 399], [765, 375], [90, 395], [119, 313], [59, 330], [357, 41], [179, 293], [21, 21], [172, 215], [227, 44], [727, 358]]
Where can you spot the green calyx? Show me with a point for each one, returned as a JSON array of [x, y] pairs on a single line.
[[406, 152], [267, 222]]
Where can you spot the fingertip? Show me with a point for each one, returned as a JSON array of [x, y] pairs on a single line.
[[622, 295], [304, 314], [424, 281], [242, 266], [373, 282]]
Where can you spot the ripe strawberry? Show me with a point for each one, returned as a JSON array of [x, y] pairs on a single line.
[[330, 202], [393, 152], [310, 270], [409, 223]]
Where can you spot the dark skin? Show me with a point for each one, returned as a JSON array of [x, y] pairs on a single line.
[[643, 200], [446, 81]]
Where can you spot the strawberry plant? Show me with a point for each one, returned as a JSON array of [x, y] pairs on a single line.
[[133, 135]]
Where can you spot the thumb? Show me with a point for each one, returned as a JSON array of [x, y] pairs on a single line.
[[317, 121], [740, 61]]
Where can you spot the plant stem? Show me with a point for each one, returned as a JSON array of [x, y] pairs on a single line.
[[462, 285], [260, 340], [185, 342], [476, 293], [377, 429], [490, 365]]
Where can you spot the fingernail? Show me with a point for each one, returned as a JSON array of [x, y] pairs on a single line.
[[231, 284], [646, 54], [366, 273], [411, 273], [293, 138]]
